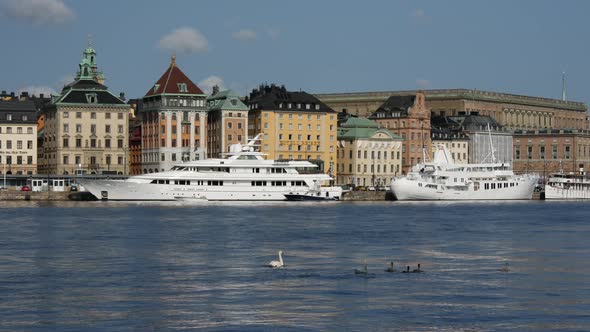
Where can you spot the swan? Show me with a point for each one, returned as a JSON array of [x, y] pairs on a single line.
[[407, 270], [506, 268], [278, 263], [418, 270], [390, 268]]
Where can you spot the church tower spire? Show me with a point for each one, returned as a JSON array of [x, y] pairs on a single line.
[[88, 69]]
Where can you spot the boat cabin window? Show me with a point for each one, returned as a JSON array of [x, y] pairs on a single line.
[[255, 170], [297, 183], [278, 183], [215, 183], [258, 183]]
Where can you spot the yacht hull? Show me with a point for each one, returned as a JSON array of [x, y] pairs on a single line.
[[121, 190], [416, 190]]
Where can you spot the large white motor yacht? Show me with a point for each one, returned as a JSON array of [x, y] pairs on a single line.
[[243, 176], [442, 179]]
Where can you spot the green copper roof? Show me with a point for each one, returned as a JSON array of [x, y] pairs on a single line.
[[359, 128], [226, 100]]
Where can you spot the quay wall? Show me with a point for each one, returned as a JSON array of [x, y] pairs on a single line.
[[367, 196], [17, 195]]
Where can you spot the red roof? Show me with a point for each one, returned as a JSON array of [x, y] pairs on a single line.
[[170, 80]]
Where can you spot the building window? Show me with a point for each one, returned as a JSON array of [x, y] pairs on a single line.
[[120, 143], [66, 143], [567, 152], [91, 99], [107, 129], [120, 116], [78, 128], [107, 115], [107, 143], [93, 115], [93, 143], [554, 152], [78, 115], [19, 145], [66, 115], [93, 128], [78, 143], [66, 127], [120, 129]]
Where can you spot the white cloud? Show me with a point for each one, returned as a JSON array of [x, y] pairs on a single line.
[[244, 35], [37, 90], [38, 11], [423, 84], [185, 40], [208, 83]]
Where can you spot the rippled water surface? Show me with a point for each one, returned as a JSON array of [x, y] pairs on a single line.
[[97, 266]]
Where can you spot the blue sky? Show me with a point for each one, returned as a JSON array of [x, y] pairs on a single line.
[[518, 47]]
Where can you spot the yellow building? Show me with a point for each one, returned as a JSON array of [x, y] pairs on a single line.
[[367, 155], [294, 125]]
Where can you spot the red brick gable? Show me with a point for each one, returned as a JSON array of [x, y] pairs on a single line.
[[170, 80]]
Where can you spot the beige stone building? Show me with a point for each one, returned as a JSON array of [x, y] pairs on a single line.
[[367, 154], [18, 137], [509, 110], [85, 127]]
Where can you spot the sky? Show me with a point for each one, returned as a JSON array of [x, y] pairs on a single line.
[[520, 47]]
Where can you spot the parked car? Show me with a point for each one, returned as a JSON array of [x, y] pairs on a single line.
[[371, 188], [25, 188], [73, 187]]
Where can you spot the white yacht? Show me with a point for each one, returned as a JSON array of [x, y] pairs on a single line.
[[243, 176], [567, 186], [441, 179]]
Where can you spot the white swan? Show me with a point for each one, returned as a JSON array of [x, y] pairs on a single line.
[[278, 263]]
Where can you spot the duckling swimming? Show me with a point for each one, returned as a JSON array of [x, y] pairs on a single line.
[[390, 268], [363, 271], [506, 268], [418, 270]]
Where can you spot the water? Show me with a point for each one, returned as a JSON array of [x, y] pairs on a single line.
[[97, 266]]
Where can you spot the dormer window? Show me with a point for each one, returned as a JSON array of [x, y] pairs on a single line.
[[234, 102], [281, 105], [91, 98], [156, 87], [182, 87], [8, 117], [317, 107]]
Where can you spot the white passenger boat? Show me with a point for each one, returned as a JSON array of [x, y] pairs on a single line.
[[567, 186], [441, 179], [243, 176]]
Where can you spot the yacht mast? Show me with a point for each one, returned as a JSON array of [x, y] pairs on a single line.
[[491, 144]]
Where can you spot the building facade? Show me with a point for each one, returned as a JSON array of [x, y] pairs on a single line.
[[85, 127], [367, 154], [227, 122], [293, 125], [550, 151], [509, 110], [18, 137], [173, 121], [407, 117]]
